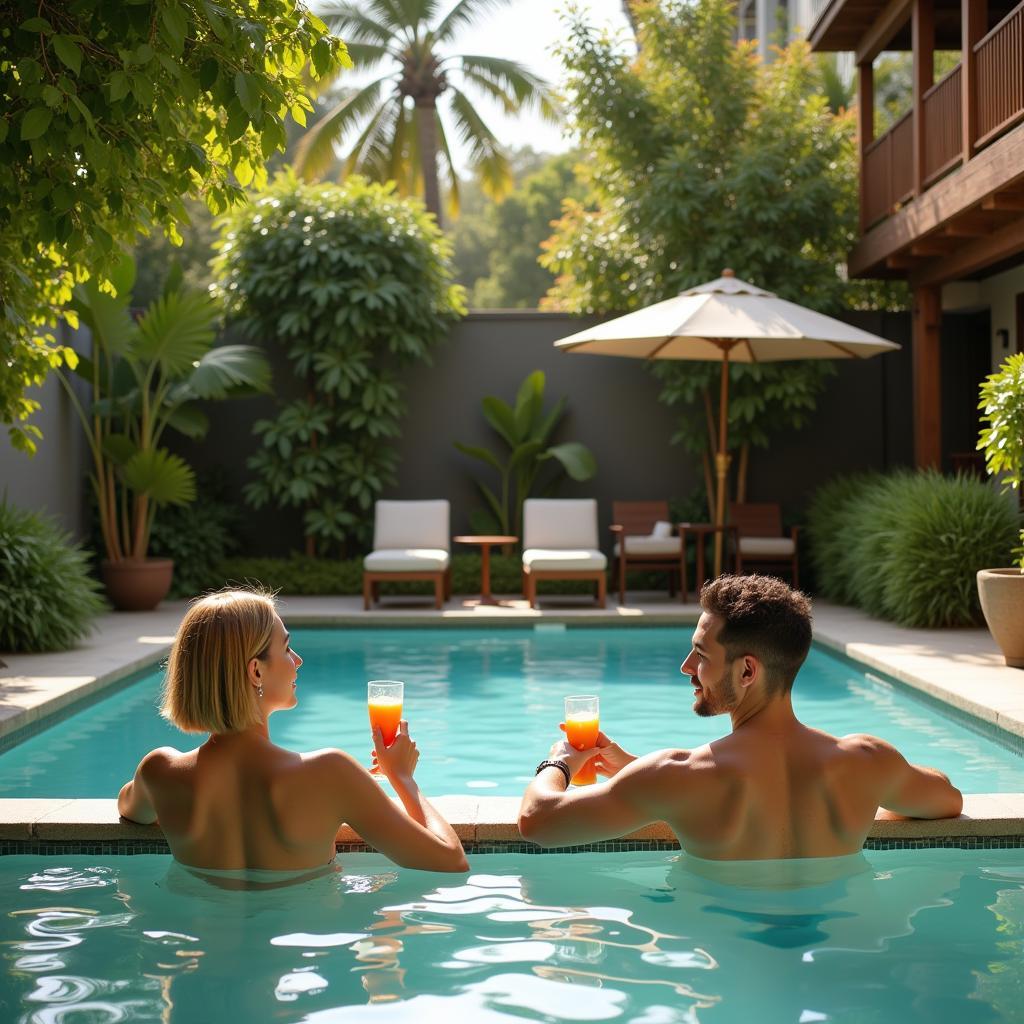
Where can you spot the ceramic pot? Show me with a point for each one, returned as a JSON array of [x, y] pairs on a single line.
[[137, 585], [1002, 600]]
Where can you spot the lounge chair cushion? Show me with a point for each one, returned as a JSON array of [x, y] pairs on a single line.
[[569, 559], [407, 560], [767, 547], [651, 546], [555, 523], [662, 529], [411, 524]]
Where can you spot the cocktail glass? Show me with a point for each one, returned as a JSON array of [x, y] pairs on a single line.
[[384, 698], [582, 724]]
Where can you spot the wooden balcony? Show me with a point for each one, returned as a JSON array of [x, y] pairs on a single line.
[[951, 168]]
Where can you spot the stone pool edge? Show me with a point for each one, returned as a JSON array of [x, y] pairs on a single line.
[[484, 824]]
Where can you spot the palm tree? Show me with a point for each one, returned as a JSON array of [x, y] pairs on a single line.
[[396, 119]]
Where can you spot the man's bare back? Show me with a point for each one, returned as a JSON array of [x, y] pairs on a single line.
[[771, 789]]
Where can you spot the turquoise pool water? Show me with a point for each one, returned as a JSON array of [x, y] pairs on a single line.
[[484, 707], [914, 936]]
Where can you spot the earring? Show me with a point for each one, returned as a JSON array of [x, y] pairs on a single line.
[[259, 690]]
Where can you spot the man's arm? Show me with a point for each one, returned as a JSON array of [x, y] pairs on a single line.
[[912, 790], [551, 815]]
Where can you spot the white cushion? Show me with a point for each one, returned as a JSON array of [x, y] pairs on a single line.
[[651, 546], [406, 560], [411, 524], [556, 523], [662, 529], [572, 559], [767, 547]]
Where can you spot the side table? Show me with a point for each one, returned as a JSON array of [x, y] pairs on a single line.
[[485, 542]]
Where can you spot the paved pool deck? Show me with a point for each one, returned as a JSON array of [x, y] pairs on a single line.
[[959, 667]]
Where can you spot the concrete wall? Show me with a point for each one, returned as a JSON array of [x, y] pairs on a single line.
[[52, 480]]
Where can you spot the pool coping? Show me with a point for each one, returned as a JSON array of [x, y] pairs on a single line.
[[958, 668], [480, 822]]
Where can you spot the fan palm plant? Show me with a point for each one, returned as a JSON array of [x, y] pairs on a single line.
[[395, 121], [145, 376]]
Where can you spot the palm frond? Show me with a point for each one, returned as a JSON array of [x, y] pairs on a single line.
[[485, 151], [354, 25], [366, 56], [176, 331], [454, 194], [464, 13], [370, 155], [520, 86], [404, 152], [314, 152]]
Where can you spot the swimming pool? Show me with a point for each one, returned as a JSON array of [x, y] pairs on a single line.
[[929, 935], [484, 705]]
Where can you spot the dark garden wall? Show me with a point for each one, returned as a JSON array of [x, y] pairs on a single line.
[[863, 421]]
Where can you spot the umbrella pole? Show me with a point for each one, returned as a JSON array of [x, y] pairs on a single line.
[[722, 459]]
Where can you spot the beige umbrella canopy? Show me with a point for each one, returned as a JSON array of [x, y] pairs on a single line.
[[726, 320]]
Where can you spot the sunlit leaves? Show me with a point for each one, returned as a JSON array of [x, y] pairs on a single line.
[[109, 112], [351, 281]]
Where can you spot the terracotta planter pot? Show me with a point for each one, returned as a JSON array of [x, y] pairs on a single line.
[[137, 585], [1002, 600]]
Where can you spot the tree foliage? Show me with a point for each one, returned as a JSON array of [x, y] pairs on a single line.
[[110, 112], [699, 157], [352, 282]]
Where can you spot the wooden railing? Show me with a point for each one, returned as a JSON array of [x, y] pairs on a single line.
[[943, 127], [1000, 64], [889, 170]]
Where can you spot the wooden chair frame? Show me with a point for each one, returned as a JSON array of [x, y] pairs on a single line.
[[764, 519], [637, 519], [442, 580]]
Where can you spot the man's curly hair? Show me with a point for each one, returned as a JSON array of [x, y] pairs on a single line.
[[764, 617]]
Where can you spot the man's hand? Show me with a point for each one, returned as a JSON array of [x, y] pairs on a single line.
[[609, 758]]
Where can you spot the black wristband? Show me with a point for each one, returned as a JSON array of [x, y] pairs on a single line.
[[560, 765]]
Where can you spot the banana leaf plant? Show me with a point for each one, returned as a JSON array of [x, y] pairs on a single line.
[[525, 430], [146, 375]]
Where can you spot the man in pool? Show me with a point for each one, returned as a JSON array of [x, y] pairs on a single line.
[[773, 788]]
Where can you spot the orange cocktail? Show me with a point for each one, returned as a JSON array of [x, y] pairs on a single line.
[[582, 724], [384, 698]]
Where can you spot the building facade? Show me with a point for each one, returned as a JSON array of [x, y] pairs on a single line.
[[942, 189]]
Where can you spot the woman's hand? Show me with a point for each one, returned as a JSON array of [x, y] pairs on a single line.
[[399, 760]]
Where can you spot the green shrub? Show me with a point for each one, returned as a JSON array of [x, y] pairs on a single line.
[[907, 547], [47, 597], [198, 536], [301, 575], [828, 519]]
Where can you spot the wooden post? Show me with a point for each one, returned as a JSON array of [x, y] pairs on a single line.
[[866, 129], [973, 20], [923, 43], [927, 322]]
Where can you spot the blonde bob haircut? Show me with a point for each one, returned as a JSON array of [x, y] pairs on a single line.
[[207, 687]]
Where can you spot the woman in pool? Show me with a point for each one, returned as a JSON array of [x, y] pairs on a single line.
[[240, 802]]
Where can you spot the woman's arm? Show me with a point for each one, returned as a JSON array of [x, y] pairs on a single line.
[[134, 802], [418, 838]]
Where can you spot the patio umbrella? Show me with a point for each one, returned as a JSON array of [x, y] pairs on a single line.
[[726, 320]]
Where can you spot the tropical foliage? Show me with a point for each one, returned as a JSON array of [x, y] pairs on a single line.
[[698, 157], [1002, 434], [47, 597], [110, 111], [350, 282], [145, 377], [395, 125], [498, 244], [907, 547], [525, 431]]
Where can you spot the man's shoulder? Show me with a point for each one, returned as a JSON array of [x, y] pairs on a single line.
[[864, 745]]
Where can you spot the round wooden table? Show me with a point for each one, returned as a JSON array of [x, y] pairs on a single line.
[[486, 542]]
